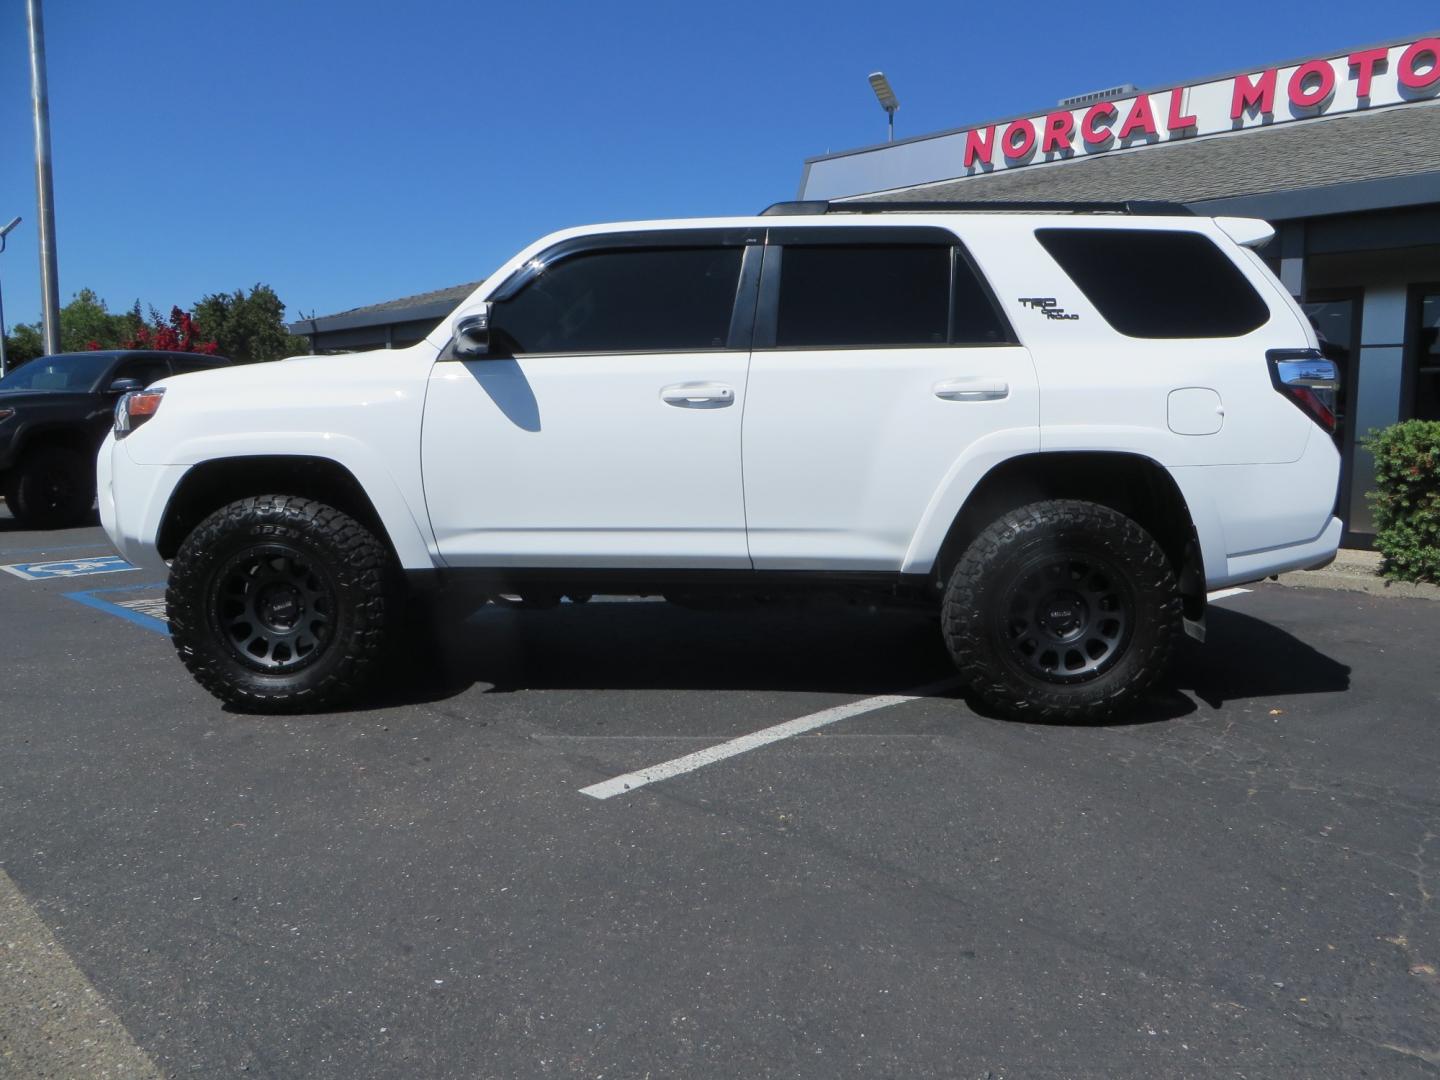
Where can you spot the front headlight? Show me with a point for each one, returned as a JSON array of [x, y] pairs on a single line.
[[134, 408]]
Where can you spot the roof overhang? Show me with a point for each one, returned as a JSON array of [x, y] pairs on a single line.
[[433, 311]]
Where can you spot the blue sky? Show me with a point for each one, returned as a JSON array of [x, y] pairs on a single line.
[[348, 153]]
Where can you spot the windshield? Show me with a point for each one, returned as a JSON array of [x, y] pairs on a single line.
[[68, 371]]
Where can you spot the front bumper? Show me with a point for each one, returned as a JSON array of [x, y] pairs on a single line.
[[133, 498]]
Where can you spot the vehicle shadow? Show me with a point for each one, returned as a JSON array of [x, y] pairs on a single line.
[[8, 525], [819, 648]]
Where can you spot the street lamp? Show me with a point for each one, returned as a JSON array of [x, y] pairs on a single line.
[[886, 96], [4, 360]]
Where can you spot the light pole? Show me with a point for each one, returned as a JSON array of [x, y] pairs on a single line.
[[44, 183], [4, 359], [886, 96]]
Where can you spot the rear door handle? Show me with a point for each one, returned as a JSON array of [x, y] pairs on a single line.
[[972, 389], [698, 395]]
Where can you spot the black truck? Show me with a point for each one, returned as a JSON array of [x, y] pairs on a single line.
[[54, 413]]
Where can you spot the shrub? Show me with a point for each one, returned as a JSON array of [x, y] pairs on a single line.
[[1407, 504]]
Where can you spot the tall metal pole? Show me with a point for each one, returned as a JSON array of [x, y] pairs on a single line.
[[44, 182], [4, 360]]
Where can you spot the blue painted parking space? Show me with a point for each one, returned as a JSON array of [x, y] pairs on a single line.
[[68, 568], [142, 605]]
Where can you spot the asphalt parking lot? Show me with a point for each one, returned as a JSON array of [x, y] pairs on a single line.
[[1240, 883]]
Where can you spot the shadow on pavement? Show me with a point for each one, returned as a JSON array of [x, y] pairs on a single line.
[[839, 649], [10, 527]]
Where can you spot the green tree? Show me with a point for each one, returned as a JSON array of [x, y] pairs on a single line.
[[85, 323], [24, 344], [248, 328]]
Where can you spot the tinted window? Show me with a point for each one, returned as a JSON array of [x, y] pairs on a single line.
[[864, 295], [184, 366], [1158, 284], [974, 320], [625, 301], [148, 370], [64, 371]]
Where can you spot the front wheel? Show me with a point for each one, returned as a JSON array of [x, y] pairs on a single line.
[[280, 604], [1062, 611]]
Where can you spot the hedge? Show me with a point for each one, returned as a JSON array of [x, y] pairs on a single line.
[[1407, 504]]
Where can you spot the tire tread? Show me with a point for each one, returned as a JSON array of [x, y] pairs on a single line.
[[1120, 537], [361, 562]]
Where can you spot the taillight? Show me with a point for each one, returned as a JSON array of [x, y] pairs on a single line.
[[134, 408], [1308, 379]]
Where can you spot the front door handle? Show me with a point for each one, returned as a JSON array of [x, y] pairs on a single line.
[[972, 389], [698, 395]]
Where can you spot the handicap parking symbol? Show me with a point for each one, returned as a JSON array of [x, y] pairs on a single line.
[[68, 568]]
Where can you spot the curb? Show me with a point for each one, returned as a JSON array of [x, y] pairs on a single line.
[[1348, 578]]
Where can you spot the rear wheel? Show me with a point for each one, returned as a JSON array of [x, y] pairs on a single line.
[[1063, 611], [51, 487], [281, 604]]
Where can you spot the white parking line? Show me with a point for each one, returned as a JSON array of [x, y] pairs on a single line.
[[607, 789], [1221, 594]]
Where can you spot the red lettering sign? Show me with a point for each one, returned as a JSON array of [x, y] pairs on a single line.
[[1251, 95], [1141, 116], [1095, 136], [1013, 150], [1177, 122], [1411, 59], [979, 143], [1059, 126], [1322, 78], [1364, 64]]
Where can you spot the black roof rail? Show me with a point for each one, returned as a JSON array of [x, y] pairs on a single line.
[[1130, 206]]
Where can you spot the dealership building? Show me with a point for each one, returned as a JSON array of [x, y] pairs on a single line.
[[1340, 152]]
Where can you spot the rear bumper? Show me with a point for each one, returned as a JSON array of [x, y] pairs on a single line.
[[1310, 555], [1256, 520]]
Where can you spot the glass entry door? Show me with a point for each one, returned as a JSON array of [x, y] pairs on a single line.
[[1335, 314], [1425, 404]]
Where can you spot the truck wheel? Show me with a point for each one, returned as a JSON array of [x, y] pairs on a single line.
[[1062, 611], [280, 604], [51, 487]]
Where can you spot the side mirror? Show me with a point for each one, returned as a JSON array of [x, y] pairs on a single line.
[[472, 333], [125, 386]]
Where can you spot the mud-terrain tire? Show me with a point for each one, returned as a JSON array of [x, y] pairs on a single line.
[[51, 487], [280, 604], [1062, 611]]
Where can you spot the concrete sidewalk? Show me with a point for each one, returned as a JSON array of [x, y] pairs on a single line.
[[1358, 571]]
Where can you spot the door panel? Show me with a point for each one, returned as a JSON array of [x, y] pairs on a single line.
[[845, 449], [582, 460]]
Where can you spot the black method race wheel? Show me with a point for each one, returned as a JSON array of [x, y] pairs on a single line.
[[281, 604], [275, 607], [1062, 611]]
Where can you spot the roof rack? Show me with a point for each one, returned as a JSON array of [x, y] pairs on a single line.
[[1130, 206]]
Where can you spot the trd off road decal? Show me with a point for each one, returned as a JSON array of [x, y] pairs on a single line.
[[1047, 306]]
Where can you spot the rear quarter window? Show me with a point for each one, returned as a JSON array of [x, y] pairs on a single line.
[[1158, 284]]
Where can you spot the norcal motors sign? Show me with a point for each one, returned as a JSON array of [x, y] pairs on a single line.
[[1364, 79]]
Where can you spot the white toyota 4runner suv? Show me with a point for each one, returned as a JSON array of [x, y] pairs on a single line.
[[1054, 425]]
